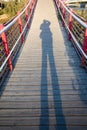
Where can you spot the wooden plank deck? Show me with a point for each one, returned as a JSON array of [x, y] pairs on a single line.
[[47, 89]]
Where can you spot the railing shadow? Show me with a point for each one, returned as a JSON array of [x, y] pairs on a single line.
[[26, 19], [79, 80], [48, 57], [9, 73]]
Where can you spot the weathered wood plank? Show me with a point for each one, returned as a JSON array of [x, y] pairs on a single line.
[[39, 73], [36, 112], [55, 80], [37, 105], [48, 88], [37, 83], [75, 87], [43, 98], [34, 92], [51, 127], [17, 121]]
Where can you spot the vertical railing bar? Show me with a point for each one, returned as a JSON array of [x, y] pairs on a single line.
[[70, 25], [5, 43], [21, 27], [83, 63]]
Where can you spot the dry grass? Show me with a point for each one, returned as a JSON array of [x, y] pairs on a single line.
[[4, 16]]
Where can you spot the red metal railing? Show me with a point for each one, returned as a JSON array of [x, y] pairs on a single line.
[[77, 29], [12, 36]]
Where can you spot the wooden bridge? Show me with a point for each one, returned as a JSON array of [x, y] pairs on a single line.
[[47, 88]]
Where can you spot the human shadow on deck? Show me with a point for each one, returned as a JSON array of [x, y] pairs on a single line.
[[47, 57]]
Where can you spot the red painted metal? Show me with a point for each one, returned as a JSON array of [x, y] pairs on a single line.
[[70, 25], [26, 13], [33, 2], [21, 27], [63, 12], [31, 8], [58, 3], [4, 40], [83, 63]]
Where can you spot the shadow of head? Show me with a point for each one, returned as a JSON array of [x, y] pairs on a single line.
[[45, 24]]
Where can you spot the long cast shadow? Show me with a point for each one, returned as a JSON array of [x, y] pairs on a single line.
[[47, 56]]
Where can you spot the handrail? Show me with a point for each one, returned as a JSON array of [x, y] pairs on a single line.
[[14, 20], [12, 36], [74, 37], [2, 66], [74, 16], [63, 10]]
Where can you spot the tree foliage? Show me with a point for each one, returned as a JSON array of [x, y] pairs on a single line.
[[12, 7]]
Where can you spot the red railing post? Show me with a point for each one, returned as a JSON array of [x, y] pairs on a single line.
[[58, 2], [21, 27], [33, 4], [30, 10], [26, 13], [60, 6], [33, 1], [70, 25], [63, 13], [4, 40], [83, 62]]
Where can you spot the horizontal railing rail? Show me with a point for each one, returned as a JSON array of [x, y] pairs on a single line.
[[12, 36], [77, 29]]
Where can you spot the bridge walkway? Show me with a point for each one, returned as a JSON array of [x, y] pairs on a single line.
[[47, 89]]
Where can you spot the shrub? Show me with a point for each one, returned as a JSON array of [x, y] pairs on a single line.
[[1, 11], [12, 7]]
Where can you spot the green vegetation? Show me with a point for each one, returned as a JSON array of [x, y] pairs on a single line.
[[79, 9], [10, 9], [82, 13]]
